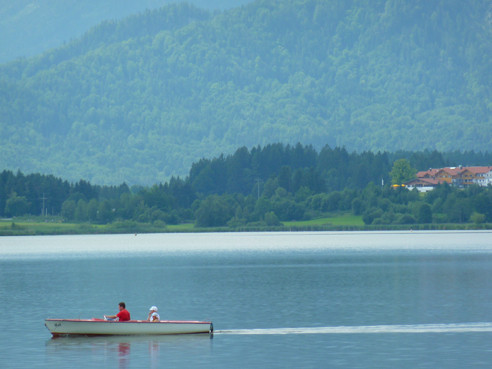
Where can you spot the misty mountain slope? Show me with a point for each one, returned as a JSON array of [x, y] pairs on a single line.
[[29, 27], [141, 99]]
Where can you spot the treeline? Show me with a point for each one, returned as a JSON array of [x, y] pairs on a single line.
[[37, 194], [261, 186]]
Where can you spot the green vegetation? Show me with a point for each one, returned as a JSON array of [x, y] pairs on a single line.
[[402, 172], [348, 220], [139, 100], [272, 188], [29, 27], [42, 227]]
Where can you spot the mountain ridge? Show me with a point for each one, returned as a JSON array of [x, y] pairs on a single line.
[[373, 76], [30, 27]]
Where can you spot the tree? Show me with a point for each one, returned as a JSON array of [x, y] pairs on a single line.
[[424, 214], [271, 219], [16, 205], [371, 214], [214, 211], [286, 209], [402, 172], [477, 218], [284, 177], [357, 206], [483, 205], [104, 212], [81, 211], [457, 208], [68, 209], [406, 219], [92, 210]]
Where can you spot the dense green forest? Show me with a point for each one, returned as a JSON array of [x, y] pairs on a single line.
[[30, 27], [260, 187], [141, 99]]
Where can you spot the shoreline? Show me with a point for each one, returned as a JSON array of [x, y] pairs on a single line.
[[22, 228]]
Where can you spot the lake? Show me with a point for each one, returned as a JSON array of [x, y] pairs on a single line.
[[277, 300]]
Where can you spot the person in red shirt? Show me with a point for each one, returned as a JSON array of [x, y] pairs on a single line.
[[123, 315]]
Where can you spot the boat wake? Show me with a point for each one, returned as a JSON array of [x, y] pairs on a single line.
[[366, 329]]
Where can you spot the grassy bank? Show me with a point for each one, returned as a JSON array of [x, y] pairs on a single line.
[[348, 220], [344, 222]]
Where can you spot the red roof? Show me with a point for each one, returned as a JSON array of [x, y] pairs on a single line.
[[453, 171], [427, 173], [423, 181], [479, 170]]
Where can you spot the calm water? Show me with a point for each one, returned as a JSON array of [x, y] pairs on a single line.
[[277, 300]]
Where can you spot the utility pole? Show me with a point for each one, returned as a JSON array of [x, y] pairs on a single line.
[[43, 198]]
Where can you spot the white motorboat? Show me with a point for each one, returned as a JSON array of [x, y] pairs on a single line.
[[100, 327]]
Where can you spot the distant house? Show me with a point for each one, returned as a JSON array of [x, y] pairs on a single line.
[[422, 184], [431, 173], [463, 178], [487, 179], [446, 175], [479, 175], [455, 176]]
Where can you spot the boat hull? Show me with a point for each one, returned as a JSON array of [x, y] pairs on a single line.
[[99, 327]]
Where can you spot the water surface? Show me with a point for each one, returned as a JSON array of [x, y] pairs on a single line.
[[311, 300]]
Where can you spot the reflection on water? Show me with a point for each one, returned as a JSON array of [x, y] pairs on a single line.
[[120, 349], [65, 341], [123, 353], [154, 354]]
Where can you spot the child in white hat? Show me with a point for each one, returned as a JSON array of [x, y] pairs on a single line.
[[153, 316]]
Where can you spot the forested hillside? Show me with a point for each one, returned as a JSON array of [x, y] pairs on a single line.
[[29, 27], [141, 99], [254, 188]]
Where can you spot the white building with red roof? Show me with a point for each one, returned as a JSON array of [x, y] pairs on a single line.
[[455, 176]]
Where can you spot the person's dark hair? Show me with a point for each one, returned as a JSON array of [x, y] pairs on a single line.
[[122, 304]]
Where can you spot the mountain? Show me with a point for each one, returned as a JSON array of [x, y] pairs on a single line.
[[29, 27], [140, 99]]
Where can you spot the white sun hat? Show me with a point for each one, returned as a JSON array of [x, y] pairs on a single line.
[[153, 308]]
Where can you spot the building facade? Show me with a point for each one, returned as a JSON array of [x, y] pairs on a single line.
[[455, 176]]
